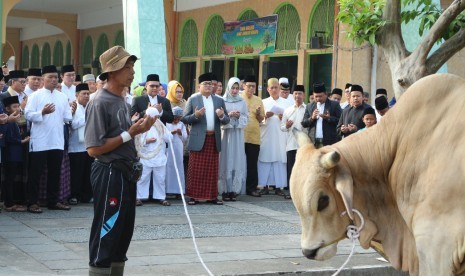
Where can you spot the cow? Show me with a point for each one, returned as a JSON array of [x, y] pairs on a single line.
[[405, 175]]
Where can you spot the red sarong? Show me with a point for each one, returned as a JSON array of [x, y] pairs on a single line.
[[202, 172]]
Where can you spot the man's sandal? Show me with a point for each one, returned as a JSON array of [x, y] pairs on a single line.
[[164, 202], [34, 208]]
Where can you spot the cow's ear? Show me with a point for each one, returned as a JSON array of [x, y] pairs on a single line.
[[345, 186], [329, 160]]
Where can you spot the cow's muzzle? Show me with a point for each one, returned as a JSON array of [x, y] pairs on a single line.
[[310, 253]]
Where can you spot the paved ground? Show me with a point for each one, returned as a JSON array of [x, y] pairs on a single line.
[[253, 236]]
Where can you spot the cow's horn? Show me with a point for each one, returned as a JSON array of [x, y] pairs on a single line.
[[329, 160]]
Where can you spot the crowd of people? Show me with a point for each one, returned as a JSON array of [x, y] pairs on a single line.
[[221, 144], [64, 142]]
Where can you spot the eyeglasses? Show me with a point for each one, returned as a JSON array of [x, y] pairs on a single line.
[[154, 85], [21, 81], [206, 83]]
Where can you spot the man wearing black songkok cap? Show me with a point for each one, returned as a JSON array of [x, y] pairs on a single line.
[[321, 118], [47, 110], [382, 105], [336, 95], [347, 94], [68, 75], [252, 133], [141, 103], [352, 117], [205, 113], [17, 83], [34, 78]]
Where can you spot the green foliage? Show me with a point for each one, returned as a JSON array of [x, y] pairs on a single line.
[[428, 13], [364, 18]]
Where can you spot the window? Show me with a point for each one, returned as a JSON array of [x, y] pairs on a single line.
[[247, 14], [35, 56], [189, 46], [321, 21], [25, 58], [68, 53], [87, 51], [58, 54], [119, 38], [46, 55], [213, 36], [288, 27], [102, 45]]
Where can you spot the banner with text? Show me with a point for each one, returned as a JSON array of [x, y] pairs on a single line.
[[254, 36]]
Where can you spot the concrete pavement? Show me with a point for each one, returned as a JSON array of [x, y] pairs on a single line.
[[253, 236]]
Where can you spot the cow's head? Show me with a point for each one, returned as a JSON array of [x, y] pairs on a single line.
[[321, 190]]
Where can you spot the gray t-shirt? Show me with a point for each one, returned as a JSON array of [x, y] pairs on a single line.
[[107, 116]]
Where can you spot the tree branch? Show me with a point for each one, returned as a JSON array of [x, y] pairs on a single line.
[[390, 36], [438, 28], [447, 49]]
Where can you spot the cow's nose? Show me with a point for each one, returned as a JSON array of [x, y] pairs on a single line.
[[310, 253]]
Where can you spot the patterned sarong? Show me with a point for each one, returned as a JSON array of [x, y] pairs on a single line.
[[203, 171]]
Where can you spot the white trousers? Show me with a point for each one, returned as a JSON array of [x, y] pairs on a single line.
[[272, 173], [159, 188]]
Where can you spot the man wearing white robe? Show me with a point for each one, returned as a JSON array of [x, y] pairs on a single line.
[[272, 158], [47, 109], [68, 75]]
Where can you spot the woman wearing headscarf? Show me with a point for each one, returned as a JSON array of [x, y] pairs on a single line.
[[175, 94], [232, 170]]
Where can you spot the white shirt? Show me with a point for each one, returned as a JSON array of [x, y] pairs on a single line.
[[28, 90], [209, 112], [273, 140], [128, 98], [70, 92], [161, 139], [344, 105], [77, 125], [153, 100], [319, 121], [47, 130], [295, 114]]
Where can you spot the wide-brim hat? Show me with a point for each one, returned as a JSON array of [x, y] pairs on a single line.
[[113, 60]]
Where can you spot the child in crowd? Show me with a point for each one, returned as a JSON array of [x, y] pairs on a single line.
[[179, 132], [12, 159], [369, 118], [151, 148]]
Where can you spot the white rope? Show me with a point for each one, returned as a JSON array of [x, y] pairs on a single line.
[[187, 213], [353, 232]]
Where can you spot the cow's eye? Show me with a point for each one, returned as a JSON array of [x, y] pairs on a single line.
[[323, 202]]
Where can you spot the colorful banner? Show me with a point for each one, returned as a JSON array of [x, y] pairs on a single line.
[[255, 36]]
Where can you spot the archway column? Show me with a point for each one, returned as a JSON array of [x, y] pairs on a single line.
[[144, 36]]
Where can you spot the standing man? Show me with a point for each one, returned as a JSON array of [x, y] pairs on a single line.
[[285, 91], [322, 117], [80, 162], [336, 95], [352, 117], [252, 133], [347, 94], [292, 119], [34, 79], [68, 75], [205, 113], [272, 167], [47, 109], [108, 138], [141, 103], [17, 83], [90, 80]]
